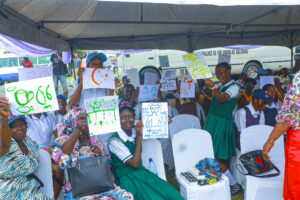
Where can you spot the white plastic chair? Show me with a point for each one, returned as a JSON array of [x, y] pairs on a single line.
[[44, 173], [152, 149], [189, 147], [253, 138], [179, 123]]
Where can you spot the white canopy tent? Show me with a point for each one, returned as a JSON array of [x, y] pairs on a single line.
[[90, 24]]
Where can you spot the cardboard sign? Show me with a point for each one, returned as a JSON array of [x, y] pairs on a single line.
[[35, 72], [98, 78], [168, 81], [133, 76], [264, 80], [163, 61], [187, 87], [32, 96], [155, 120], [197, 65], [148, 92], [103, 115], [150, 78], [224, 58]]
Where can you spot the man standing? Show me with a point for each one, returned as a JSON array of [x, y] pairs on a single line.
[[59, 72], [76, 63], [27, 63]]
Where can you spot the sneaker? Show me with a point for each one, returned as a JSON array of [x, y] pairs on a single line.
[[234, 189]]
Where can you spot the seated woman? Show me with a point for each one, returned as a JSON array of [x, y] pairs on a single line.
[[271, 109], [19, 158], [125, 149], [75, 143]]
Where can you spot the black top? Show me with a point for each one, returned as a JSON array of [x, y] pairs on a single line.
[[59, 68]]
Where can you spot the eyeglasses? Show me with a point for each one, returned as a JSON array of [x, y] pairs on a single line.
[[130, 117]]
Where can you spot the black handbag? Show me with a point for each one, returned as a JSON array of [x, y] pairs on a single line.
[[255, 164], [91, 176]]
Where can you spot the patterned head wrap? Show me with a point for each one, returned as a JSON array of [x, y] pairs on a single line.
[[68, 124]]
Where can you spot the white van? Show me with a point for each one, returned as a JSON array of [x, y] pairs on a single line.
[[244, 58]]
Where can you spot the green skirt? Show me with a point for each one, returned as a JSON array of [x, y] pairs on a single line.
[[145, 185], [222, 133]]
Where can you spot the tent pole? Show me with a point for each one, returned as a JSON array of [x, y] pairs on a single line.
[[292, 52]]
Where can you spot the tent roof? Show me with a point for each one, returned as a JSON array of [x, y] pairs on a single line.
[[92, 24]]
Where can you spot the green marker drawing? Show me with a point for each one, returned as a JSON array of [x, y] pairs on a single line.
[[48, 106], [27, 96], [49, 96], [11, 88], [25, 109], [43, 96]]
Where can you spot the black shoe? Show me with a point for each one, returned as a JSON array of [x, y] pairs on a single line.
[[234, 189]]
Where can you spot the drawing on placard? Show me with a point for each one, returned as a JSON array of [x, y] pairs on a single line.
[[32, 96], [196, 65], [36, 72], [187, 87], [98, 78], [103, 115], [168, 81], [133, 76], [155, 120], [148, 92]]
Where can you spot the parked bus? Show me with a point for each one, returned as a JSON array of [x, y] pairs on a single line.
[[244, 58], [10, 63]]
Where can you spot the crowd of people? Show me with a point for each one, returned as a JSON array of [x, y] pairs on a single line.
[[226, 109]]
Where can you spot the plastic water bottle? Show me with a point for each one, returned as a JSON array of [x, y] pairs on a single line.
[[152, 167]]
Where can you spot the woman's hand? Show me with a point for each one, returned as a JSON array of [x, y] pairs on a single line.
[[96, 151], [267, 148], [210, 83], [4, 106], [139, 129], [169, 120], [80, 74]]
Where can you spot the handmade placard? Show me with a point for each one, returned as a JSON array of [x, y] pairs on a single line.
[[197, 65], [168, 81], [32, 96], [148, 92], [187, 87], [103, 115], [98, 78], [164, 61], [155, 120], [133, 76], [224, 58], [35, 72], [150, 78]]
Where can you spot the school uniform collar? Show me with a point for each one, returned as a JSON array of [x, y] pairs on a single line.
[[226, 84], [125, 137], [252, 111], [34, 117]]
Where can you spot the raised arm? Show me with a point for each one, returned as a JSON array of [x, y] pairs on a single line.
[[76, 95], [135, 160], [222, 97], [5, 134]]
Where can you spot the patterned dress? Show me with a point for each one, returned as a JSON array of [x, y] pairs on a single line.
[[70, 160], [290, 113], [15, 167]]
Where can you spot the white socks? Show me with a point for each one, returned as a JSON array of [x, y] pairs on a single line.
[[230, 177]]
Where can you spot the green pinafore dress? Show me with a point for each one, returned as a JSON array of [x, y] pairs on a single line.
[[219, 124], [143, 184]]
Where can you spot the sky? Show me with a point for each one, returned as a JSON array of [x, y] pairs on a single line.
[[219, 2]]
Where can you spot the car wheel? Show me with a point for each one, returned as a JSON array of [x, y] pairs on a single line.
[[251, 68]]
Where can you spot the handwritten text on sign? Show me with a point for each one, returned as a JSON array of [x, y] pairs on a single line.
[[151, 78], [98, 78], [32, 96], [187, 87], [168, 81], [133, 76], [196, 65], [148, 92], [36, 72], [103, 115], [155, 120]]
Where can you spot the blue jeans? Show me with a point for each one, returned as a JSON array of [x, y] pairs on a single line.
[[63, 82]]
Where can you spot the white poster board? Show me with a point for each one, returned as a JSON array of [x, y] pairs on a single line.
[[224, 58], [103, 115], [35, 72], [187, 87], [264, 80], [155, 120], [150, 78], [164, 61], [133, 76], [148, 92], [98, 78], [168, 81], [32, 96], [197, 65]]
